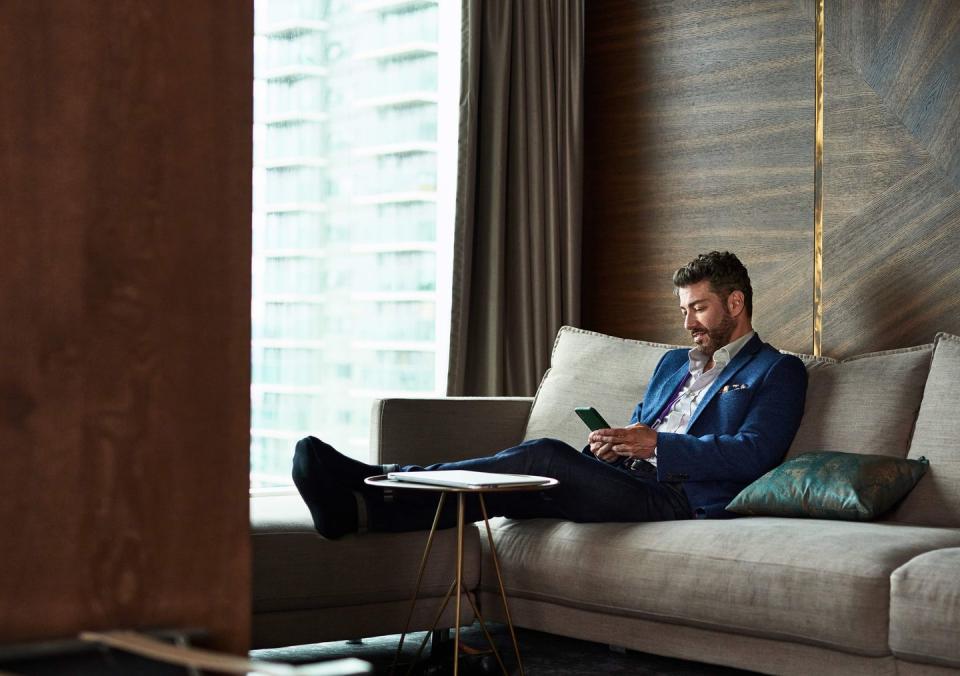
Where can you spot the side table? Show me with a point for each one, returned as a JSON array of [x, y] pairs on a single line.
[[382, 481]]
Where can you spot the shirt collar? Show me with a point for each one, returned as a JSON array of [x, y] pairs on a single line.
[[722, 357]]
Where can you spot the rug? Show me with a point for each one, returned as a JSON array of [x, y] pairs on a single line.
[[542, 654]]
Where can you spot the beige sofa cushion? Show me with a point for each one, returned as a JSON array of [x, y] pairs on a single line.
[[762, 576], [608, 373], [935, 501], [296, 569], [925, 609], [865, 404], [810, 361], [591, 369]]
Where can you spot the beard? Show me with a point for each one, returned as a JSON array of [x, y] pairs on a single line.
[[716, 337]]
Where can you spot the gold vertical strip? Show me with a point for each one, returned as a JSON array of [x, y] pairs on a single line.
[[818, 191]]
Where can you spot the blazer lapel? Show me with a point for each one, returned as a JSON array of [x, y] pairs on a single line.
[[742, 358], [670, 387]]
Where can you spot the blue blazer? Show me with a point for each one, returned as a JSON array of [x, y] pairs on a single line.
[[741, 429]]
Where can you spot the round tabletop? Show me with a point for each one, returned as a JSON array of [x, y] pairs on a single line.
[[382, 481]]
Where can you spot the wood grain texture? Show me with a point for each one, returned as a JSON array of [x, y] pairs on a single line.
[[891, 173], [698, 136], [125, 147]]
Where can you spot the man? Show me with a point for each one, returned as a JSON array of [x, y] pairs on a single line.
[[713, 419]]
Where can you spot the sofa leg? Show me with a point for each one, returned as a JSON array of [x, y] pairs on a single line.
[[618, 649]]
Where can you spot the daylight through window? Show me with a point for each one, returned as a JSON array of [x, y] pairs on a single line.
[[354, 167]]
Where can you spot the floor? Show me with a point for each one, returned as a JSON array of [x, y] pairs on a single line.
[[541, 653]]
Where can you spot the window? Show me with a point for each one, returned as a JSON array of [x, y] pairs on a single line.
[[354, 164]]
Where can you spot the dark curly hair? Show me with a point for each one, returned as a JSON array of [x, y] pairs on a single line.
[[725, 272]]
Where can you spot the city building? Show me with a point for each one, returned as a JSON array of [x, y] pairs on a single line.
[[348, 287]]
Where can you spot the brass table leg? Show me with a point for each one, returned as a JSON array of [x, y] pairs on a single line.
[[459, 586], [486, 632], [503, 593], [433, 627], [416, 588]]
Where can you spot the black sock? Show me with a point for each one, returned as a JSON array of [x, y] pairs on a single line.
[[332, 505]]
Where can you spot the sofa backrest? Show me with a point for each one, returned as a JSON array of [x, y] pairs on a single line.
[[608, 373], [591, 369], [935, 500], [870, 403], [864, 404]]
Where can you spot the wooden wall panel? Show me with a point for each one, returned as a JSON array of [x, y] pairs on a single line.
[[699, 135], [891, 173], [698, 128], [125, 151]]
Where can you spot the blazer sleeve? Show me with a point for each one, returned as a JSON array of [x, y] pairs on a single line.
[[759, 443]]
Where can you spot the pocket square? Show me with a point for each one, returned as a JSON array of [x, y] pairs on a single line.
[[733, 388]]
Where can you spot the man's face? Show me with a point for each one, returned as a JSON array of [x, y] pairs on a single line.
[[706, 316]]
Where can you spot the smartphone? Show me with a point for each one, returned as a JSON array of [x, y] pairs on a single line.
[[592, 419]]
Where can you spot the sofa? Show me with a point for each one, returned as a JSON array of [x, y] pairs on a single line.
[[769, 594]]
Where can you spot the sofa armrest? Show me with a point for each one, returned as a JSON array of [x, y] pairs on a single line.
[[424, 431]]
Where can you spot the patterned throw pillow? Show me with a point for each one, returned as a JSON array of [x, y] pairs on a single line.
[[831, 485]]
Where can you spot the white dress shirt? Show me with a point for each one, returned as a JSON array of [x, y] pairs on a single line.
[[677, 418]]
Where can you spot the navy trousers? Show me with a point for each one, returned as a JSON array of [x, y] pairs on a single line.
[[590, 490]]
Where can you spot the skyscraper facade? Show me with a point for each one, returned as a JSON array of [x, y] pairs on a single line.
[[345, 265]]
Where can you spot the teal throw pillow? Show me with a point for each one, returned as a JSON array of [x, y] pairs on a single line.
[[831, 485]]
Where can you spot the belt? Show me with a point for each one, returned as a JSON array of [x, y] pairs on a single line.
[[639, 465]]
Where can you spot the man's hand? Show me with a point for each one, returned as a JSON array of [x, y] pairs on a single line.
[[633, 441]]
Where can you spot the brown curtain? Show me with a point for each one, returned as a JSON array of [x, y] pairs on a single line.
[[517, 240]]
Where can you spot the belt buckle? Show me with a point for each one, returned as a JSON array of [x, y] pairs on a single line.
[[634, 464]]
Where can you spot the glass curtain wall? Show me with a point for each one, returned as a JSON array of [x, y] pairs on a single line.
[[354, 150]]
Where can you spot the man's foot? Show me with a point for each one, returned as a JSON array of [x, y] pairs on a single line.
[[332, 504], [338, 467]]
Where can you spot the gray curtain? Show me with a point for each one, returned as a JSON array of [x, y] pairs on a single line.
[[516, 264]]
